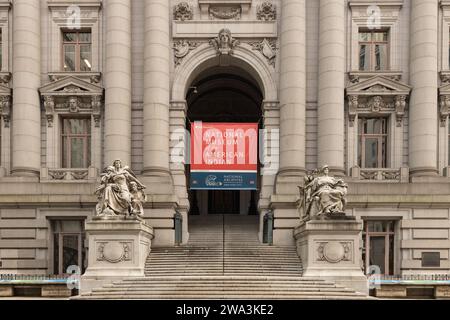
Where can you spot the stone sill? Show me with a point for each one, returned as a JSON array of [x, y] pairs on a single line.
[[90, 76], [356, 75]]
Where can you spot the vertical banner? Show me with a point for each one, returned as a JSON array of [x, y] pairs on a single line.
[[224, 156]]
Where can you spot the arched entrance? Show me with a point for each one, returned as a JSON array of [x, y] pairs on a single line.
[[223, 94]]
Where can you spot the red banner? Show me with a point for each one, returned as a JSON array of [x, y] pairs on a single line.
[[230, 149]]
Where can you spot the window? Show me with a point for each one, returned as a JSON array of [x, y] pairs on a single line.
[[378, 248], [76, 143], [372, 151], [68, 245], [77, 51], [373, 50]]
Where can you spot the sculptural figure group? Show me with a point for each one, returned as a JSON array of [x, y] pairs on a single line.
[[120, 193], [323, 195]]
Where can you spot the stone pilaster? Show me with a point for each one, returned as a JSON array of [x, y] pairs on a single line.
[[156, 88], [423, 112], [292, 89], [118, 81], [26, 127], [331, 84]]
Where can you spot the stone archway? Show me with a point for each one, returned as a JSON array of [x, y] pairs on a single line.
[[200, 60]]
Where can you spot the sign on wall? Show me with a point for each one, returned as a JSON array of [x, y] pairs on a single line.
[[224, 156]]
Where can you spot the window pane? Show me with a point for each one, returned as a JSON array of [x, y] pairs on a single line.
[[70, 251], [380, 57], [69, 36], [85, 57], [85, 37], [364, 57], [56, 253], [69, 58], [371, 153], [380, 36], [391, 255], [77, 153], [377, 253], [365, 36]]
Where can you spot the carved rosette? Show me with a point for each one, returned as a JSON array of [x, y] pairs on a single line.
[[224, 43], [182, 48], [114, 252], [266, 11], [334, 251], [6, 110], [182, 12]]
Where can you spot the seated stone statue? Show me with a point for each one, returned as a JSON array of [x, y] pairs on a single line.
[[114, 195], [324, 195]]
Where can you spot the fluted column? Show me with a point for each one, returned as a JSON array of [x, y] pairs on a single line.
[[292, 88], [118, 81], [424, 79], [26, 126], [156, 87], [331, 84]]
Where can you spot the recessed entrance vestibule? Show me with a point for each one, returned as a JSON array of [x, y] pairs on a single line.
[[223, 95]]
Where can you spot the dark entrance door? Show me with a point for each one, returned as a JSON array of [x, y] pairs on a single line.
[[223, 202]]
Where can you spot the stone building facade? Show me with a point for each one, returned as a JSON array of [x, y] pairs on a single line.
[[361, 86]]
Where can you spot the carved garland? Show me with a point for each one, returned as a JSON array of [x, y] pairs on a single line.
[[182, 48], [377, 104], [225, 13], [73, 105]]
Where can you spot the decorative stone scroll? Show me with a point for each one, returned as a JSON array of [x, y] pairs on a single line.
[[266, 11], [268, 49], [224, 43], [182, 48], [183, 11]]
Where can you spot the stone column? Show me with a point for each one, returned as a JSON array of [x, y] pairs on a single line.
[[292, 88], [26, 126], [156, 88], [331, 85], [118, 81], [423, 114]]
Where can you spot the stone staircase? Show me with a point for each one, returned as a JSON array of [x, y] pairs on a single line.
[[223, 260]]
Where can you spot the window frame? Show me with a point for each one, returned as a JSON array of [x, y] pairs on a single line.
[[82, 255], [381, 159], [87, 139], [372, 45], [77, 44], [387, 247]]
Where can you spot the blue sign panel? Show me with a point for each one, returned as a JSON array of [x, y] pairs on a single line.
[[223, 180]]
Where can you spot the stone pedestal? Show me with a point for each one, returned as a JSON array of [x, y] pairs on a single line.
[[117, 249], [329, 250]]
